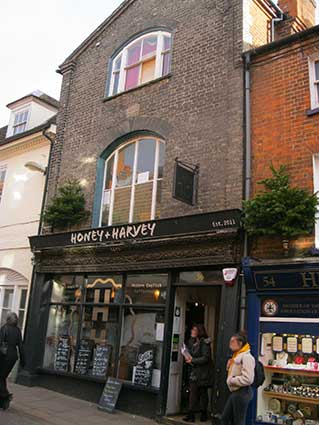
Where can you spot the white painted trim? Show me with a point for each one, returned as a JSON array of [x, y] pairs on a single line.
[[315, 166], [154, 190], [314, 97], [113, 186], [131, 215], [289, 320]]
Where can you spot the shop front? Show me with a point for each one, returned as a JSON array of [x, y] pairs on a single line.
[[283, 325], [119, 302]]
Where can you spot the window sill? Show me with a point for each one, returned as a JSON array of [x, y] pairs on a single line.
[[311, 112], [127, 384], [114, 96]]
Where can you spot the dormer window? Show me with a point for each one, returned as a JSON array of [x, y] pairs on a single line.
[[144, 59], [20, 121]]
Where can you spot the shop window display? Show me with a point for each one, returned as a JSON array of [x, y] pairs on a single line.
[[93, 331], [290, 394]]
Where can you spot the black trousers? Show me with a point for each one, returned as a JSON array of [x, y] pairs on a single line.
[[3, 388], [235, 410], [198, 394]]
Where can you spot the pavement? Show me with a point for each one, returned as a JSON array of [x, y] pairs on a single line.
[[38, 406]]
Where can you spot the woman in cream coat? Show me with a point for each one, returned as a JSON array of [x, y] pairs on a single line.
[[241, 375]]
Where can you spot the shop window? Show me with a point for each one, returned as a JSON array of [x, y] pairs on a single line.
[[314, 82], [144, 59], [3, 170], [142, 347], [92, 331], [133, 182], [146, 289], [291, 388]]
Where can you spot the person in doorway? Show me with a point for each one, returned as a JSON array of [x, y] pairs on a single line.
[[241, 375], [200, 360], [11, 335]]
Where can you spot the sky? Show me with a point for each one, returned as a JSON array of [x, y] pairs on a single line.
[[36, 36]]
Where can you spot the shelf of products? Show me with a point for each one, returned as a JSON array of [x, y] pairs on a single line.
[[290, 394]]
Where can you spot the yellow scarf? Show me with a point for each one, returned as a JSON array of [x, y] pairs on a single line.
[[244, 349]]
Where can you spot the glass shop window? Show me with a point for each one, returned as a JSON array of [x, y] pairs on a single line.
[[290, 394], [104, 289], [146, 289], [142, 347], [67, 289]]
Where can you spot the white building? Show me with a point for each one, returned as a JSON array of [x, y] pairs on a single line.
[[24, 154]]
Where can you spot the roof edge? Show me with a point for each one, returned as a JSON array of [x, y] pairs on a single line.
[[117, 12], [32, 96], [299, 36]]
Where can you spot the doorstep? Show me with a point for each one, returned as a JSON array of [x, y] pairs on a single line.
[[178, 420]]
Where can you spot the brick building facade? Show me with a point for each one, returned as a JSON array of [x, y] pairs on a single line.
[[130, 289]]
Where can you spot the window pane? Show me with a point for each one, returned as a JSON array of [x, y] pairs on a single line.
[[117, 64], [23, 298], [167, 43], [148, 71], [61, 337], [158, 198], [317, 88], [142, 347], [2, 178], [166, 63], [116, 82], [143, 202], [149, 45], [100, 329], [125, 165], [109, 173], [132, 76], [134, 53], [146, 289], [121, 210], [317, 70], [106, 207], [104, 289], [21, 318], [8, 298], [146, 160], [67, 288], [161, 160]]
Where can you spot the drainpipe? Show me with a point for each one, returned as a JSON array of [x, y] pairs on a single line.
[[247, 171], [280, 18]]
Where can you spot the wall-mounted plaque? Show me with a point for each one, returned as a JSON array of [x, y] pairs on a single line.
[[185, 182], [307, 345], [277, 344], [292, 344]]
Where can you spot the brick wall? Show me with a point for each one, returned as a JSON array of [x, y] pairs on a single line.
[[198, 110], [257, 23], [282, 132]]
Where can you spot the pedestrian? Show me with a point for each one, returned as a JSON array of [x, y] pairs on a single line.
[[200, 360], [11, 335], [241, 375]]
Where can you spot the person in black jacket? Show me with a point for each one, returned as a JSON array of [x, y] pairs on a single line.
[[11, 334], [200, 361]]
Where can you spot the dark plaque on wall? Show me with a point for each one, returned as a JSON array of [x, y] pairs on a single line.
[[101, 360], [185, 182], [143, 371], [62, 355], [84, 358], [110, 395]]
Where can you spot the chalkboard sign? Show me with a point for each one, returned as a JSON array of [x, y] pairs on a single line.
[[101, 360], [110, 395], [83, 359], [62, 355], [143, 371]]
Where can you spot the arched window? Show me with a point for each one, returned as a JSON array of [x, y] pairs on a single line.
[[144, 59], [133, 182]]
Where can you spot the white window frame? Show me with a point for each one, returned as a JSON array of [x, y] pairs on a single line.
[[315, 161], [3, 168], [134, 183], [23, 123], [159, 55], [17, 292], [313, 82]]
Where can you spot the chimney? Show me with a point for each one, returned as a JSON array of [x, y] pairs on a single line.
[[299, 15]]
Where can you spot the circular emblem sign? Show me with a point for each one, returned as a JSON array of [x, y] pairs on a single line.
[[270, 308]]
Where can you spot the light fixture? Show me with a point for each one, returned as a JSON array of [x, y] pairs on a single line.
[[35, 167]]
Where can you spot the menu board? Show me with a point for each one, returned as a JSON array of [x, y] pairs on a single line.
[[306, 345], [110, 395], [277, 344], [101, 360], [292, 344], [62, 354], [83, 359], [143, 371]]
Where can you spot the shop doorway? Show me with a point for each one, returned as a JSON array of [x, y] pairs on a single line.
[[193, 305]]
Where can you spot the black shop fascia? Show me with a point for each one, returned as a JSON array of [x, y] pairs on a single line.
[[103, 300]]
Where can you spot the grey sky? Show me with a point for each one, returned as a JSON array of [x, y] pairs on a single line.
[[36, 36]]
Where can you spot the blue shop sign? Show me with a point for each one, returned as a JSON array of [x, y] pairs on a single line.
[[290, 306], [302, 279]]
